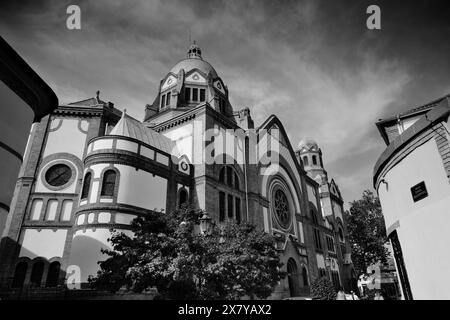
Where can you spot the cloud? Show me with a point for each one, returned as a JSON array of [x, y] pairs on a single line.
[[311, 63]]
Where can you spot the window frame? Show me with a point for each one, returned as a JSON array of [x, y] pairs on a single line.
[[105, 183], [86, 189]]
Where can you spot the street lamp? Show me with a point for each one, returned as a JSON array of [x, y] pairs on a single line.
[[205, 224], [328, 267]]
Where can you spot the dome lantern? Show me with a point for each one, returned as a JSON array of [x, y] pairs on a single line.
[[194, 52]]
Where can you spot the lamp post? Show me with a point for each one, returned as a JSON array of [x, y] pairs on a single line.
[[205, 224], [328, 267]]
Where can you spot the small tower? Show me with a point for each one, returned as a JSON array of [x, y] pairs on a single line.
[[309, 154]]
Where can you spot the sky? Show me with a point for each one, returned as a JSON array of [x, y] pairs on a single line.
[[312, 63]]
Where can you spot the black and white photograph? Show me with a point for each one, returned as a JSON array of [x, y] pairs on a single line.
[[246, 151]]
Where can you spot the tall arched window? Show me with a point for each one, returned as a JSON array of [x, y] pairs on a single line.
[[305, 276], [229, 176], [36, 273], [222, 175], [305, 160], [314, 160], [229, 201], [236, 181], [317, 236], [182, 197], [53, 274], [341, 235], [292, 277], [314, 217], [19, 274], [86, 185], [109, 182]]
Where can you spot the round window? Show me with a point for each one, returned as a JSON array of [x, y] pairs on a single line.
[[58, 175], [281, 208]]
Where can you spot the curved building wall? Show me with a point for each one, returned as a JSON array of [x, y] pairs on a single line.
[[15, 124], [145, 181], [422, 226]]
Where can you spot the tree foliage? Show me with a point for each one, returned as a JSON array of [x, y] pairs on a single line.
[[168, 253], [323, 289], [367, 232]]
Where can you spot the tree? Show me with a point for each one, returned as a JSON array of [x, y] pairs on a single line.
[[367, 232], [323, 289], [168, 252]]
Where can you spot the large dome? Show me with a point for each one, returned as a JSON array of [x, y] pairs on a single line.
[[194, 63]]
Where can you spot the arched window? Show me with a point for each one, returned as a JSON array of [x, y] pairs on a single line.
[[314, 217], [314, 160], [36, 273], [236, 181], [292, 277], [317, 236], [230, 176], [305, 276], [221, 206], [109, 182], [53, 274], [182, 197], [222, 175], [19, 274], [341, 235], [281, 208], [305, 160], [86, 185]]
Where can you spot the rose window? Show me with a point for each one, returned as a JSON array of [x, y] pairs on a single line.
[[281, 208]]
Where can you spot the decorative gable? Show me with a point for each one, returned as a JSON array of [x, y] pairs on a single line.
[[218, 84], [196, 77], [334, 189], [170, 82]]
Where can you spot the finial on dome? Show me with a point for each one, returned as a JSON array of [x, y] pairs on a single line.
[[194, 51], [308, 144], [97, 96], [124, 112]]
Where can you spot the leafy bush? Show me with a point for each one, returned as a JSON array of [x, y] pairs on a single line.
[[167, 253], [323, 289]]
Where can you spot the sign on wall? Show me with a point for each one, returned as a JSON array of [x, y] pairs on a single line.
[[419, 191]]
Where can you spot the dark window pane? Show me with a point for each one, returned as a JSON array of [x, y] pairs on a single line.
[[238, 210], [341, 235], [168, 99], [229, 176], [305, 276], [163, 101], [194, 94], [202, 95], [187, 94], [53, 274], [314, 217], [236, 181], [86, 185], [330, 244], [305, 161], [314, 160], [19, 275], [109, 181], [317, 241], [182, 197], [221, 206], [36, 274], [58, 175], [222, 175], [230, 206]]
